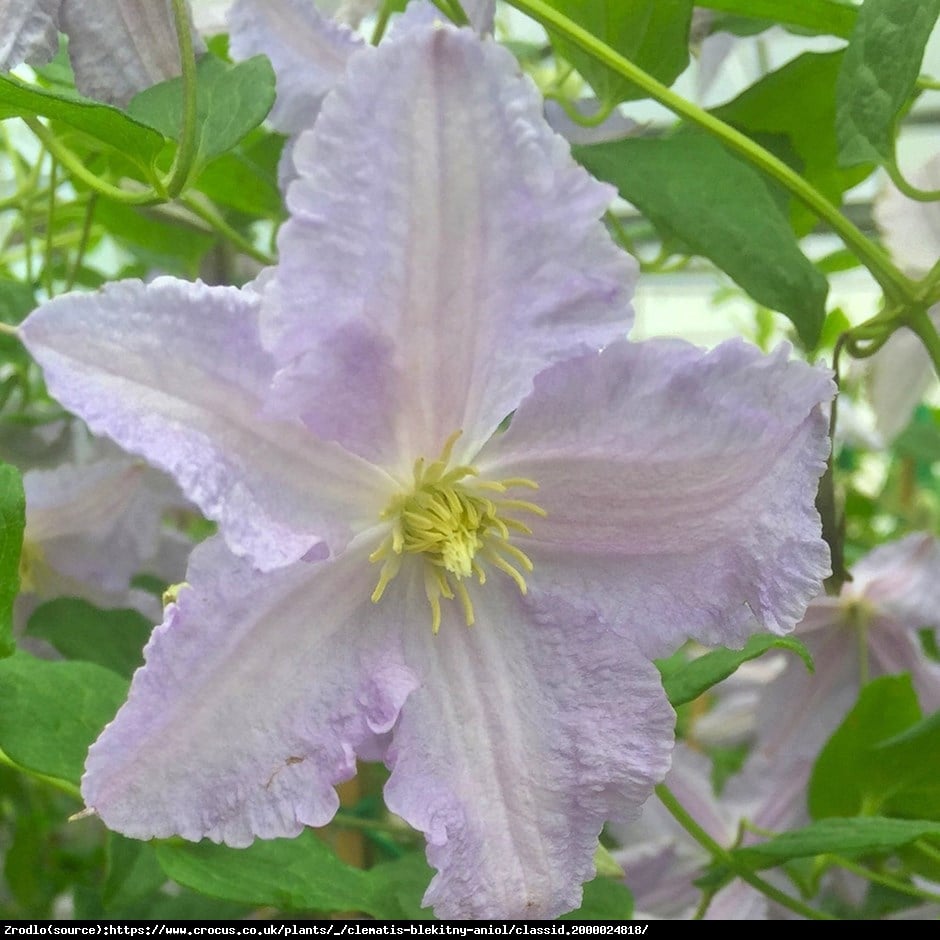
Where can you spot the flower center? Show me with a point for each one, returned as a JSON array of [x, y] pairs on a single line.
[[456, 522]]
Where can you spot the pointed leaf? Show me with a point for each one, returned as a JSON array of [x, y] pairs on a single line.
[[653, 34], [686, 681], [881, 759], [878, 75], [79, 630], [604, 899], [103, 122], [834, 17], [798, 103], [50, 712], [301, 874], [850, 838], [231, 100], [697, 193]]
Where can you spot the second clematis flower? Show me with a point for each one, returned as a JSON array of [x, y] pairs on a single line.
[[398, 575]]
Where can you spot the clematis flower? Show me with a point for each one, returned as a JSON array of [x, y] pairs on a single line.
[[117, 47], [894, 594], [661, 861], [91, 525], [396, 578], [869, 631], [310, 45]]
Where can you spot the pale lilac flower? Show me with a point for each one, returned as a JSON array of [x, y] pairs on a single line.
[[661, 861], [444, 268], [870, 630], [895, 593], [899, 374], [310, 45], [117, 47], [94, 523]]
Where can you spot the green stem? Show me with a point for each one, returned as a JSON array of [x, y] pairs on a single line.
[[928, 286], [453, 11], [927, 849], [83, 244], [583, 120], [895, 884], [346, 820], [917, 321], [75, 166], [186, 151], [894, 283], [381, 22], [721, 854], [50, 226], [833, 520], [909, 189], [215, 221], [62, 785], [26, 186]]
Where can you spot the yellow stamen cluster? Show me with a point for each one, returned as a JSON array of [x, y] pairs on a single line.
[[449, 517]]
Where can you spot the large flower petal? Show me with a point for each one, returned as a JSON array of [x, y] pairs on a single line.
[[30, 31], [528, 730], [442, 230], [679, 487], [308, 51], [257, 693], [174, 371], [119, 47]]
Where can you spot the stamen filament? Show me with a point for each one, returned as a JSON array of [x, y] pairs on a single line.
[[448, 521]]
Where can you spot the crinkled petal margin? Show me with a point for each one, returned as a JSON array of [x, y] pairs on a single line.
[[174, 371], [472, 260], [258, 691], [680, 487], [528, 730]]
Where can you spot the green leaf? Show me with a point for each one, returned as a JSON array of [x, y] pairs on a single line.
[[101, 121], [604, 899], [923, 734], [301, 874], [686, 681], [850, 838], [232, 180], [697, 193], [231, 100], [156, 239], [653, 34], [882, 759], [51, 712], [12, 524], [16, 300], [878, 75], [133, 872], [920, 440], [818, 16], [79, 630], [403, 882], [797, 102]]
